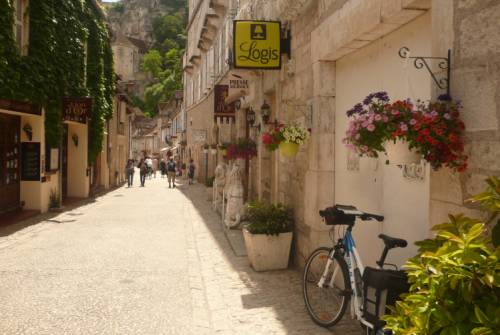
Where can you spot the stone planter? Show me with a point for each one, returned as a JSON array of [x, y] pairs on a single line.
[[268, 252], [288, 149], [399, 153]]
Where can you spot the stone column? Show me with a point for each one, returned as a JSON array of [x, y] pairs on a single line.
[[319, 181]]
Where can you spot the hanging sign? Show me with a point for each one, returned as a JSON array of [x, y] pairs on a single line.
[[76, 109], [257, 44], [221, 109], [20, 106]]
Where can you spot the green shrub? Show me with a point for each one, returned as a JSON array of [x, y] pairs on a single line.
[[269, 219], [210, 182], [54, 201], [455, 281]]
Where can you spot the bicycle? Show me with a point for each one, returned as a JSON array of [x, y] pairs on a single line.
[[335, 277]]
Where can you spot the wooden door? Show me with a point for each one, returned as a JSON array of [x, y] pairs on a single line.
[[10, 188]]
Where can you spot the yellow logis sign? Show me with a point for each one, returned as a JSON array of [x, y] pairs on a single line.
[[257, 44]]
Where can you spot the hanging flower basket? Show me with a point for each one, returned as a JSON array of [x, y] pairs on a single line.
[[432, 129], [242, 149], [399, 153], [289, 149], [287, 138]]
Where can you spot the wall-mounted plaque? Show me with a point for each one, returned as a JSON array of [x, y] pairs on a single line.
[[76, 109], [30, 161]]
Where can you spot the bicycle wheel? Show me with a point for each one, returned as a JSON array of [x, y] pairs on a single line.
[[326, 304]]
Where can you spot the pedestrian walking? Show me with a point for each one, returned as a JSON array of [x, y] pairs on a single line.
[[155, 166], [149, 165], [143, 171], [183, 168], [129, 171], [171, 172], [163, 167], [191, 169]]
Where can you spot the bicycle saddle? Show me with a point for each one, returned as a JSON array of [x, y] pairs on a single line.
[[392, 242]]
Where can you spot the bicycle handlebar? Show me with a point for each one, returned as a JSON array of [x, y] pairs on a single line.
[[344, 212]]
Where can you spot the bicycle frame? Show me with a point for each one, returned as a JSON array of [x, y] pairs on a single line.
[[353, 260]]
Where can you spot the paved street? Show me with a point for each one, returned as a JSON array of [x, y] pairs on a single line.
[[147, 260]]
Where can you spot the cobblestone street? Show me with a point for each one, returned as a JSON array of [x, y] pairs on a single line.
[[147, 260]]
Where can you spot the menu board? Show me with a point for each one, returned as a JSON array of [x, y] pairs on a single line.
[[30, 161]]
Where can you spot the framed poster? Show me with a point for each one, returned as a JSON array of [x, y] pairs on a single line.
[[30, 161]]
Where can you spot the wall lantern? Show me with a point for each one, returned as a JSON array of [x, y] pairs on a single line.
[[75, 139], [250, 117], [265, 111], [28, 130]]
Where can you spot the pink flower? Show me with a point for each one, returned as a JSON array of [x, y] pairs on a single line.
[[378, 117], [434, 113], [447, 116], [413, 122], [395, 112], [385, 118], [371, 127], [404, 127]]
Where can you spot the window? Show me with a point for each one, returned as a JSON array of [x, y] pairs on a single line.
[[21, 25]]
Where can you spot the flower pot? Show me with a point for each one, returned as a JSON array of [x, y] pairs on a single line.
[[399, 153], [289, 149], [223, 152], [268, 252]]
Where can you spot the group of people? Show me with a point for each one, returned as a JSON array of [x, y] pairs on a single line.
[[168, 167]]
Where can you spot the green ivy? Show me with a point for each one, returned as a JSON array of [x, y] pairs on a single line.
[[55, 65]]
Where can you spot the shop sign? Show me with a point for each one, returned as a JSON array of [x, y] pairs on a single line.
[[238, 84], [257, 44], [77, 109], [20, 106], [221, 109]]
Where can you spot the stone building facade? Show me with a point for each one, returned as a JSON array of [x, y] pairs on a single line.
[[342, 50]]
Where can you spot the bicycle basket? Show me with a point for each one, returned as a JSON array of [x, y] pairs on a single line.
[[382, 288], [333, 216]]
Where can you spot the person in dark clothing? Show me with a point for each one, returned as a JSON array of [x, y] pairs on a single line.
[[163, 168], [143, 169], [191, 169], [129, 171], [171, 172]]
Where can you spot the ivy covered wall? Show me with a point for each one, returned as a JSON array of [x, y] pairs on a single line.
[[69, 55]]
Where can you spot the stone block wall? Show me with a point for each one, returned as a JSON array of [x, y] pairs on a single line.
[[475, 81]]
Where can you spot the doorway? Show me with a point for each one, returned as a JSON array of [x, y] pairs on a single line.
[[65, 162], [10, 186]]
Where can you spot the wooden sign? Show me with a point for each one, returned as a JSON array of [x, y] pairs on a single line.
[[30, 161], [20, 106], [76, 109], [221, 109]]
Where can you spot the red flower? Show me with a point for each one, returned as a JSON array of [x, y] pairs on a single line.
[[267, 138]]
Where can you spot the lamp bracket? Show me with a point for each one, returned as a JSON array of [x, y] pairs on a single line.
[[420, 62]]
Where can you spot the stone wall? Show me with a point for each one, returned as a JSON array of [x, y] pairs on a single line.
[[475, 80]]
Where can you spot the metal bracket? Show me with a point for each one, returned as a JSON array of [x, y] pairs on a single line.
[[421, 62]]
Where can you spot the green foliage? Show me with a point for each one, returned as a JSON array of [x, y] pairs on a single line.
[[269, 219], [118, 7], [55, 65], [490, 201], [455, 282], [54, 201], [164, 61]]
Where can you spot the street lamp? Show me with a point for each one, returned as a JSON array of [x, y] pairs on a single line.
[[265, 111], [251, 117]]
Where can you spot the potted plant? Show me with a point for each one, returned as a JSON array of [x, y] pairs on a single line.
[[287, 138], [244, 148], [205, 148], [268, 235], [223, 149], [406, 131], [213, 149]]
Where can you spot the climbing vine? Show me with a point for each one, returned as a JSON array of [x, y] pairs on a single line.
[[69, 55]]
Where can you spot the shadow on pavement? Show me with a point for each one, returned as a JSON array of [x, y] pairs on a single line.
[[280, 290]]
